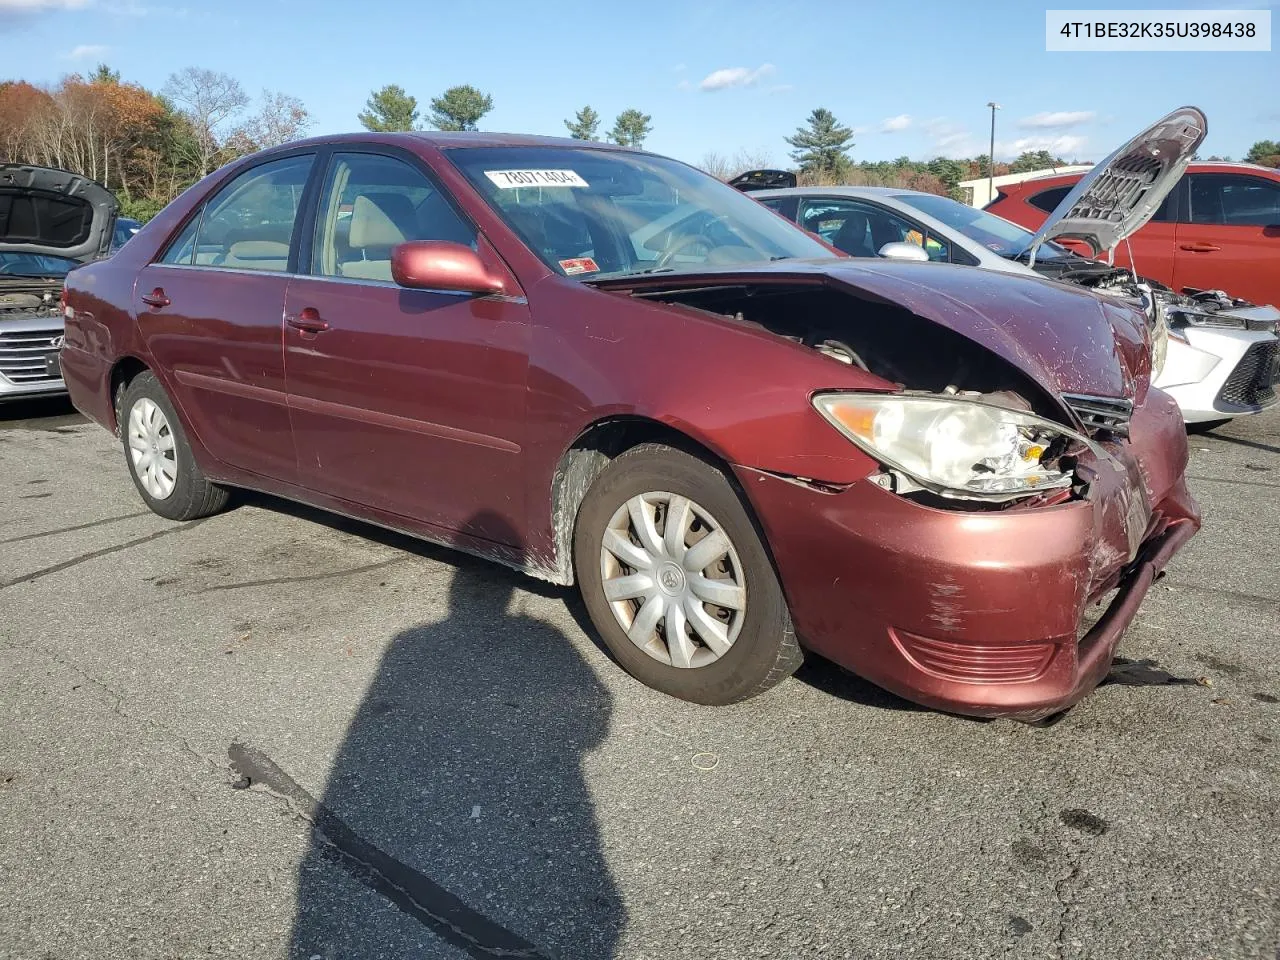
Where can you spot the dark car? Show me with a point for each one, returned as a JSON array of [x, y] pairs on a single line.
[[124, 231], [736, 445]]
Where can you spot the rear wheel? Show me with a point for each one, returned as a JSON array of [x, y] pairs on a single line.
[[677, 580], [159, 457]]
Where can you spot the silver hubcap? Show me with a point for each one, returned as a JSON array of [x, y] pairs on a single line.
[[673, 579], [155, 462]]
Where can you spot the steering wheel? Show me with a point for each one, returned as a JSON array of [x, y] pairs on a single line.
[[669, 254]]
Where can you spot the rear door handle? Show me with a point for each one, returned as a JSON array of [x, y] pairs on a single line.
[[156, 298], [1199, 247], [308, 321]]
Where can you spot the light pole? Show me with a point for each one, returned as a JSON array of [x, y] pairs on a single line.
[[991, 157]]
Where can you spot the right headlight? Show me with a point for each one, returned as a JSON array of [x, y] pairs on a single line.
[[955, 446]]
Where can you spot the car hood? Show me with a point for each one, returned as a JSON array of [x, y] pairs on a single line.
[[54, 213], [1120, 194], [1100, 350]]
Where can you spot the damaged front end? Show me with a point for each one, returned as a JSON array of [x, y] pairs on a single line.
[[966, 416], [1025, 471]]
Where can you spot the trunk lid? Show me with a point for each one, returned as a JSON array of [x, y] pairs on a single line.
[[1120, 194], [49, 212]]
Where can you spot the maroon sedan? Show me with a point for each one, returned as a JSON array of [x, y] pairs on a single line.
[[604, 367]]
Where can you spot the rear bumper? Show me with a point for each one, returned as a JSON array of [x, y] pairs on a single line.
[[980, 613]]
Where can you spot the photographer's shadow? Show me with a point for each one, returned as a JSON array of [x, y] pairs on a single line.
[[463, 769]]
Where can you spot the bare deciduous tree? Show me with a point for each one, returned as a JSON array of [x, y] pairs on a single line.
[[279, 119], [210, 101], [725, 168]]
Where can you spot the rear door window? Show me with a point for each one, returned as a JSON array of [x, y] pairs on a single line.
[[1048, 200], [249, 223]]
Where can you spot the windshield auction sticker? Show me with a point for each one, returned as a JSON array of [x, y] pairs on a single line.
[[509, 179], [1160, 30]]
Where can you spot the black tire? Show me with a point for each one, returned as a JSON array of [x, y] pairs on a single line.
[[765, 651], [1204, 426], [192, 496]]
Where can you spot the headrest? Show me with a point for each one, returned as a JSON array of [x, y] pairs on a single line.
[[380, 220]]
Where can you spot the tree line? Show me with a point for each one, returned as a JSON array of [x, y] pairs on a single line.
[[147, 146]]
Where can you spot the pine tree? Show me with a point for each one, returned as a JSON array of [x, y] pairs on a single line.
[[459, 108], [631, 128], [823, 147], [389, 110], [584, 125]]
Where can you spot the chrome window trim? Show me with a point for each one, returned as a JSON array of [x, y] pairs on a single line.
[[353, 281]]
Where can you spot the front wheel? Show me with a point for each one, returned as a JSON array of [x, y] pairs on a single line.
[[677, 581], [159, 457]]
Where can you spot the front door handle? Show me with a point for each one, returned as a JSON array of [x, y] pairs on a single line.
[[1199, 247], [156, 298], [308, 321]]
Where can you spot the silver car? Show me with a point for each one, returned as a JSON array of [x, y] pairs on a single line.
[[51, 221]]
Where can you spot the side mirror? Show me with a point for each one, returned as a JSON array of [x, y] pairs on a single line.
[[442, 265], [903, 251]]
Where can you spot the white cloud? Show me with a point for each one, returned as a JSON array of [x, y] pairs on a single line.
[[735, 77], [895, 124], [38, 6], [948, 139], [1057, 120], [1066, 146], [86, 51]]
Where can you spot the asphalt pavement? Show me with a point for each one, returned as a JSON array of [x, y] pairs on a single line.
[[275, 733]]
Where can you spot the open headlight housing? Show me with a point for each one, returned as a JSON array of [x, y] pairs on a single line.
[[954, 446]]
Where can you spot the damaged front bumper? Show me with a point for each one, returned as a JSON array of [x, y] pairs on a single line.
[[981, 612]]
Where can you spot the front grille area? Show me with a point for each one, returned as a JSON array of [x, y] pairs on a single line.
[[975, 663], [1101, 414], [1252, 382], [22, 354]]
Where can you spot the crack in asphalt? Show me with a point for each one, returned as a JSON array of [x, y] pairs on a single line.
[[79, 526], [116, 704], [413, 892], [95, 554], [1059, 887]]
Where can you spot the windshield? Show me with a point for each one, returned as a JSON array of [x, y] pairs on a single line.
[[1005, 238], [34, 265], [592, 214]]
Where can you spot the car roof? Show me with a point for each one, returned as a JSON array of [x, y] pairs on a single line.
[[842, 191], [1196, 166], [449, 140]]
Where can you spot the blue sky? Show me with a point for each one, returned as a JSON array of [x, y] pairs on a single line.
[[911, 77]]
